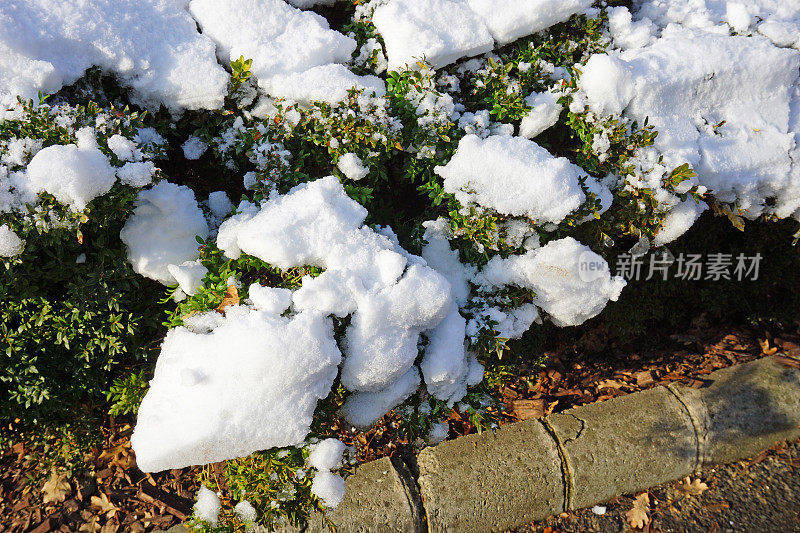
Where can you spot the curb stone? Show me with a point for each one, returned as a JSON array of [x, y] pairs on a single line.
[[491, 481], [624, 445], [743, 409], [381, 496], [587, 455]]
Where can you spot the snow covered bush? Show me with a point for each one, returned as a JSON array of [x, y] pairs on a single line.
[[364, 212], [73, 311]]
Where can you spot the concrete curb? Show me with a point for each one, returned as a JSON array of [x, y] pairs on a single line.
[[584, 456]]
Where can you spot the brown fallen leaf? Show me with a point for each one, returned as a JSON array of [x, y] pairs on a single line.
[[56, 488], [104, 504], [610, 384], [91, 526], [765, 347], [644, 378], [637, 516], [527, 409], [231, 298], [119, 455], [692, 488]]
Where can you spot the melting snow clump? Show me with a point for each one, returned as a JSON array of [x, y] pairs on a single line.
[[352, 166], [252, 383], [162, 230], [329, 488], [10, 243], [207, 506], [482, 172], [327, 455], [75, 175]]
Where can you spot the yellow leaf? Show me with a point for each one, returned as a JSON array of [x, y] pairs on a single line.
[[56, 488], [637, 516], [692, 488]]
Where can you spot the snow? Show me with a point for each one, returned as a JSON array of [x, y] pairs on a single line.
[[162, 230], [270, 299], [284, 43], [362, 409], [219, 204], [189, 275], [352, 166], [544, 114], [571, 282], [717, 15], [678, 221], [608, 83], [193, 148], [440, 31], [74, 175], [438, 433], [733, 130], [246, 512], [124, 148], [327, 454], [508, 20], [325, 83], [443, 31], [207, 506], [627, 33], [305, 4], [45, 44], [329, 488], [392, 295], [440, 257], [136, 174], [546, 188], [445, 365], [10, 243], [250, 384]]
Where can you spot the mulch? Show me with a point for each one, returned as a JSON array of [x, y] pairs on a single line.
[[111, 494]]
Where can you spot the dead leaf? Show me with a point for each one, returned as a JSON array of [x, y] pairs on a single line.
[[119, 455], [644, 378], [610, 384], [765, 348], [92, 526], [231, 298], [104, 504], [56, 488], [637, 516], [692, 488], [527, 409]]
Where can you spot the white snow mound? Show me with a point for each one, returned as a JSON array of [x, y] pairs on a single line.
[[571, 282], [484, 172], [392, 295], [250, 384], [151, 45], [74, 175]]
